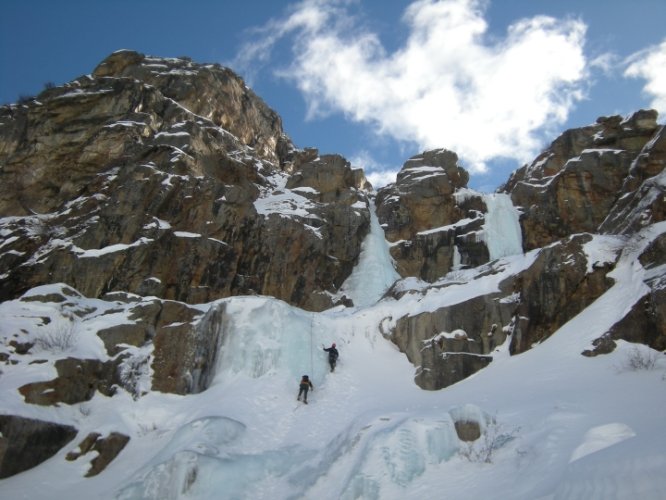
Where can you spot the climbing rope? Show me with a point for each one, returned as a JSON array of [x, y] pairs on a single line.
[[311, 349]]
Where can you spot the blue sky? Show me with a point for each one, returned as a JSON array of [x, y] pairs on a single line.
[[378, 81]]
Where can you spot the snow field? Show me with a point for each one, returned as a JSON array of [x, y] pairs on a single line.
[[557, 425]]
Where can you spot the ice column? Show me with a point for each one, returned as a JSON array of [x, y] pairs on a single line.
[[374, 273], [502, 229]]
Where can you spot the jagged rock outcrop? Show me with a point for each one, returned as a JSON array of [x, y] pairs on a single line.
[[574, 184], [453, 342], [169, 178], [645, 322], [325, 178], [26, 442], [422, 196], [210, 91], [557, 286], [185, 353], [642, 199], [607, 178], [427, 221], [181, 359]]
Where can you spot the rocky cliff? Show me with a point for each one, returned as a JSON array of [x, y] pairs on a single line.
[[604, 179], [137, 193], [586, 176], [168, 178]]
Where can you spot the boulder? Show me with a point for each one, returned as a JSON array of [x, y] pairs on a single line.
[[467, 430], [26, 442], [106, 449], [453, 342], [470, 422], [77, 381]]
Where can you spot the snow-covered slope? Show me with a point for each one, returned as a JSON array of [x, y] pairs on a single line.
[[557, 425]]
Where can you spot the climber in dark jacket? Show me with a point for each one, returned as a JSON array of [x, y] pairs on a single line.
[[332, 355], [304, 386]]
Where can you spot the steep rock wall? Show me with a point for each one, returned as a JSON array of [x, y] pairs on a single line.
[[150, 175], [573, 185]]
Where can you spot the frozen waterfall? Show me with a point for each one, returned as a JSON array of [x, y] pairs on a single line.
[[374, 273], [502, 232]]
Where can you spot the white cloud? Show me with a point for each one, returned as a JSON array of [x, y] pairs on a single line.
[[650, 64], [379, 175], [447, 85], [381, 178]]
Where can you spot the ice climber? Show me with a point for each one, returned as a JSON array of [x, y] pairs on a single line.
[[304, 386], [332, 355]]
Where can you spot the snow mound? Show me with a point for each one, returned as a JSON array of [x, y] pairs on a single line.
[[602, 437], [397, 452]]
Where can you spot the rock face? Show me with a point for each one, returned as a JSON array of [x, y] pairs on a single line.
[[168, 178], [152, 185], [182, 354], [453, 342], [185, 355], [427, 220], [641, 200], [201, 89], [573, 185], [554, 289], [645, 322], [26, 442], [607, 178]]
